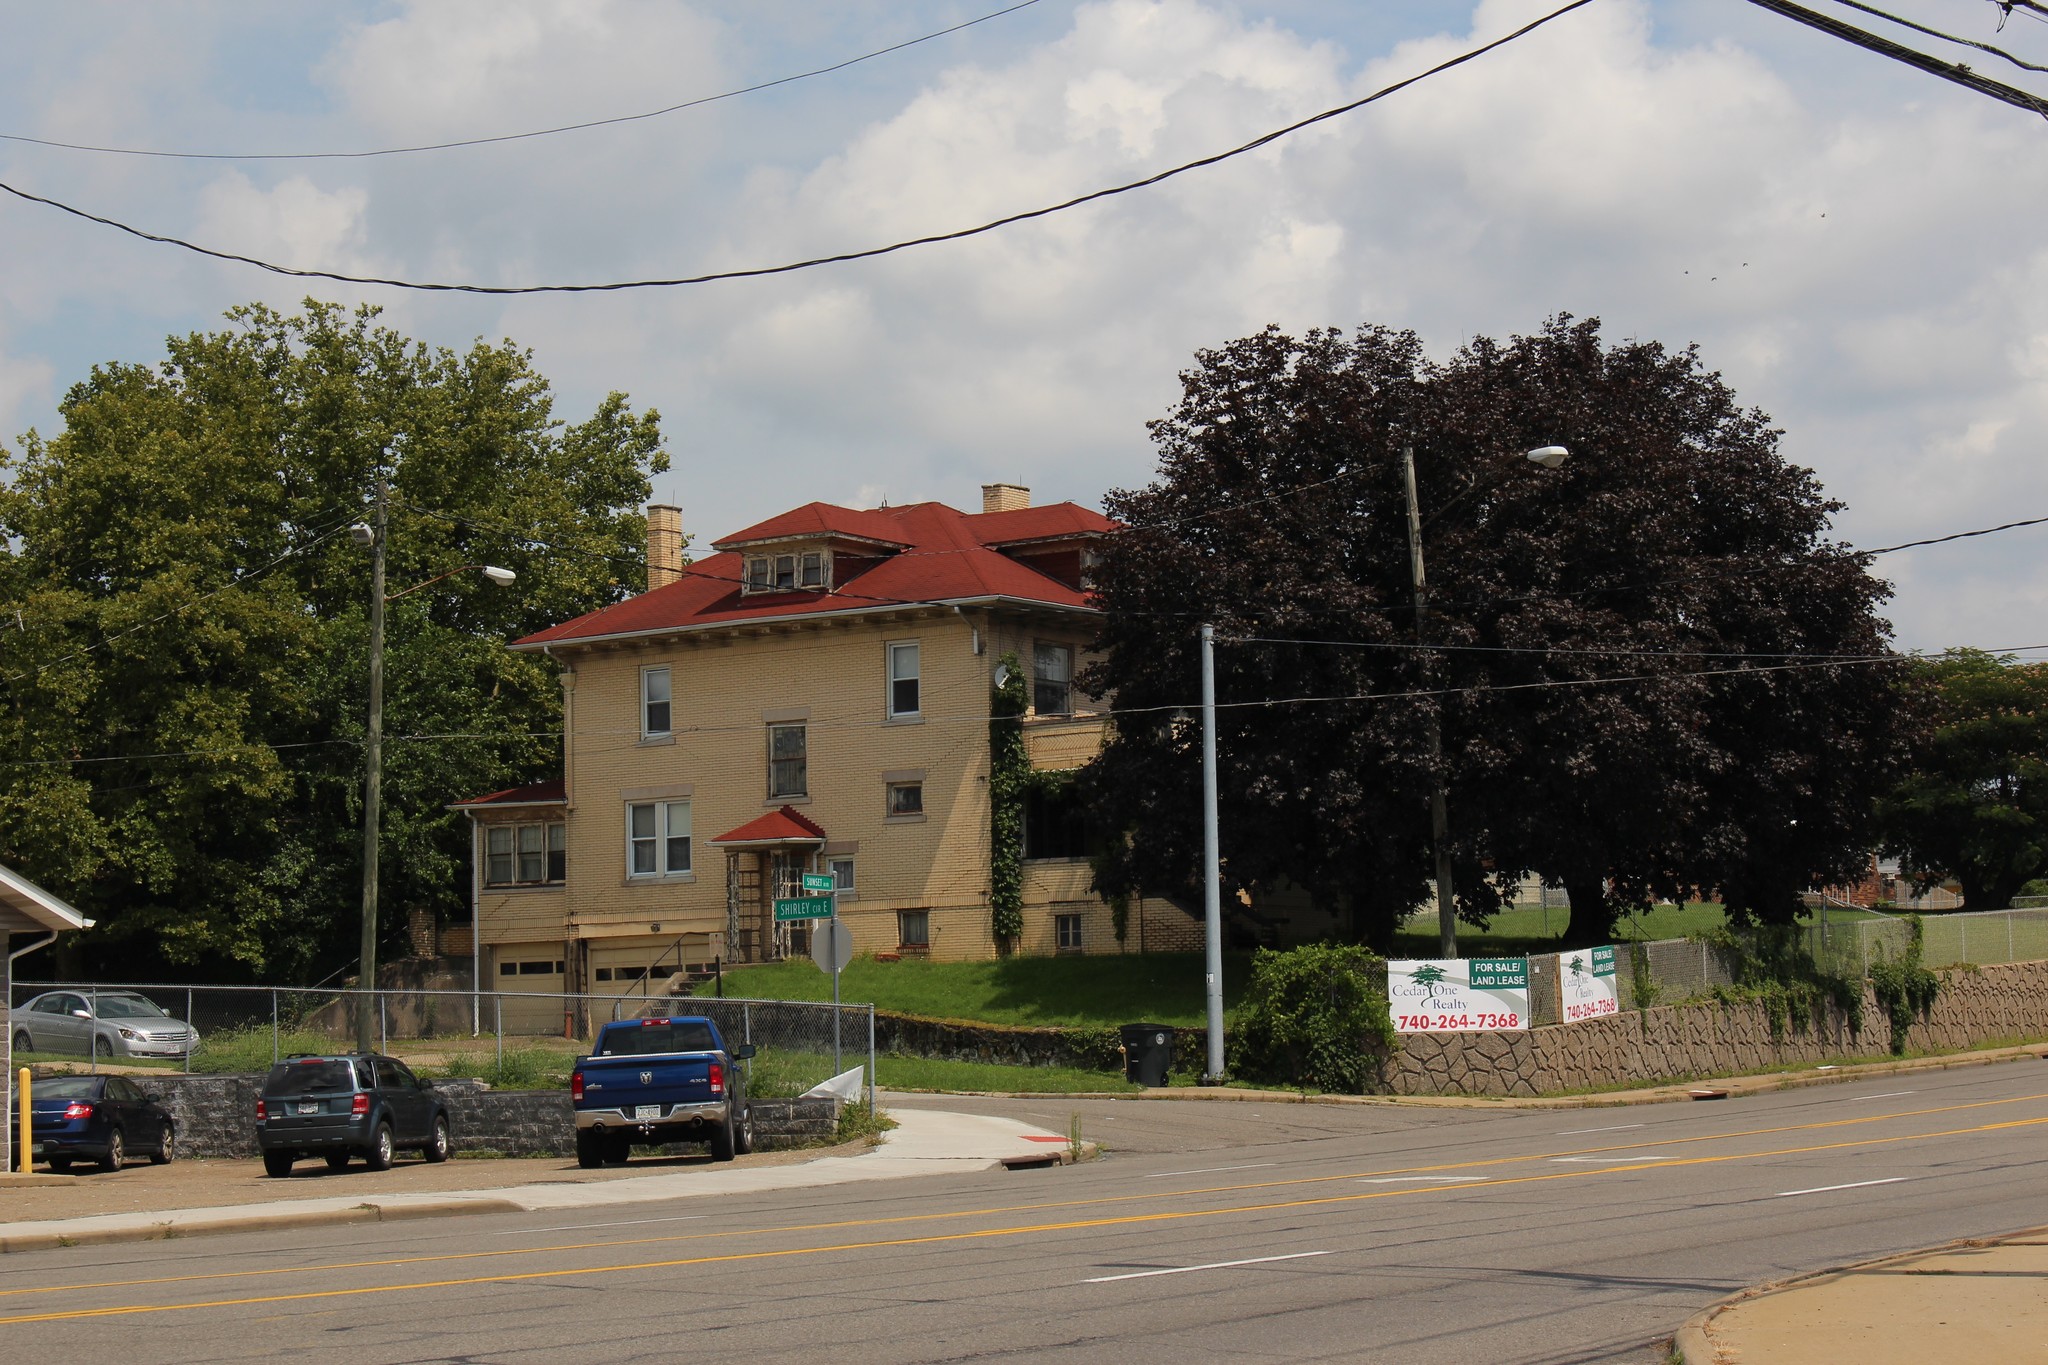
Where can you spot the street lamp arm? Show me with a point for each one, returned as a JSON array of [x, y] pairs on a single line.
[[504, 578]]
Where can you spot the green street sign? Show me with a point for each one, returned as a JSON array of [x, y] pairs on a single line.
[[817, 884], [803, 907]]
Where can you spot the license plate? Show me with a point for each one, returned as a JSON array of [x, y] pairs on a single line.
[[312, 1108], [647, 1111]]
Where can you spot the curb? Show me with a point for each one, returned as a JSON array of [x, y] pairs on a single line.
[[170, 1229], [1696, 1347], [1752, 1083]]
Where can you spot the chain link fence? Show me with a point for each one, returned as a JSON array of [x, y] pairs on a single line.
[[1644, 973], [515, 1039], [1851, 947]]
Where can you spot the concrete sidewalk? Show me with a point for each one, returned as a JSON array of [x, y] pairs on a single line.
[[923, 1143], [1980, 1299]]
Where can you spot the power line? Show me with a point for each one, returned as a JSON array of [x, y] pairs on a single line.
[[513, 137], [1937, 33], [1885, 47], [860, 255]]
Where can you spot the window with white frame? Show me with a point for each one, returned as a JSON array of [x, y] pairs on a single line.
[[788, 762], [1066, 933], [760, 573], [785, 572], [526, 855], [1052, 679], [657, 838], [905, 798], [811, 571], [903, 679], [654, 703], [914, 928], [842, 876]]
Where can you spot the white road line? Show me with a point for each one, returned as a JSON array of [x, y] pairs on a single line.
[[1415, 1179], [1574, 1132], [1855, 1185], [1213, 1265], [622, 1223], [1887, 1095], [1611, 1160], [1211, 1170]]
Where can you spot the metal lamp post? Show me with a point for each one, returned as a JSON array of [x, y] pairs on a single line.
[[373, 536], [1548, 457]]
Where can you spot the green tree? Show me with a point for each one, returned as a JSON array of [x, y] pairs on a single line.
[[1973, 804], [185, 688], [1605, 652]]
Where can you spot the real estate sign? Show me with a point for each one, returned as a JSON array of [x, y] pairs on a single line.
[[1458, 995], [1585, 984]]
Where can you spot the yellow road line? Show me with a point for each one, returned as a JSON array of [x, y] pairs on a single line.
[[1102, 1201], [1180, 1215]]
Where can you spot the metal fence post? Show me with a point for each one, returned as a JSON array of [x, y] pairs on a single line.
[[871, 1061], [2011, 954], [746, 1023], [383, 1038], [273, 1026], [189, 1024], [498, 1027]]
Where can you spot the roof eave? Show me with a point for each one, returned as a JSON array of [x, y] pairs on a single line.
[[987, 601]]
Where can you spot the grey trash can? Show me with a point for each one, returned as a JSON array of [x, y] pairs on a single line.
[[1148, 1053]]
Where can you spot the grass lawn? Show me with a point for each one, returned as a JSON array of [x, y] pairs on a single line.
[[1062, 992]]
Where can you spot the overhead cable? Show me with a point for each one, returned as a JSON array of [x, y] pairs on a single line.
[[1898, 52], [513, 137], [1937, 33], [867, 253]]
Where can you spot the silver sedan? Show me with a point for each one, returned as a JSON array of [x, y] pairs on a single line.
[[102, 1023]]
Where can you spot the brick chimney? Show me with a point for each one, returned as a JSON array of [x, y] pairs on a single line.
[[664, 545], [1004, 497]]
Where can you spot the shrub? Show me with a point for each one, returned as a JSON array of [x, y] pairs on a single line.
[[1315, 1016], [1903, 987]]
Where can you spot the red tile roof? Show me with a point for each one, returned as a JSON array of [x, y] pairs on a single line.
[[549, 792], [780, 826], [949, 559]]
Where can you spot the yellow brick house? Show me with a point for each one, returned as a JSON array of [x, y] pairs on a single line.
[[812, 698]]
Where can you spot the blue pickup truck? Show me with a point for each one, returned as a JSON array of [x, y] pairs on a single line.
[[655, 1081]]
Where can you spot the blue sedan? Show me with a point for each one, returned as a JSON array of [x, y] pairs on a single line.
[[98, 1118]]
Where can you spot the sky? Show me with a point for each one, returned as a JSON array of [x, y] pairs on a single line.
[[1845, 239]]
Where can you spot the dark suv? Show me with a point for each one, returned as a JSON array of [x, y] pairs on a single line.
[[347, 1105]]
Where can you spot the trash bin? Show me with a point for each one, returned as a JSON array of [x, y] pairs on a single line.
[[1148, 1053]]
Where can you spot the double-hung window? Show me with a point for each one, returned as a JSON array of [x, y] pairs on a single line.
[[788, 769], [525, 855], [1052, 679], [654, 703], [657, 838], [903, 680]]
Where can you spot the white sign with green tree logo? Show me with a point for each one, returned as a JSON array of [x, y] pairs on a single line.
[[1458, 995], [1585, 984]]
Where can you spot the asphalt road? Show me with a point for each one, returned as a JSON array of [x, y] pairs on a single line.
[[1210, 1231]]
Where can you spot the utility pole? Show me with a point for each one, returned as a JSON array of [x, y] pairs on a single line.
[[1212, 871], [373, 780], [1439, 814]]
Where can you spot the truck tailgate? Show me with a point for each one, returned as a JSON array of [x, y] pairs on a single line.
[[656, 1078]]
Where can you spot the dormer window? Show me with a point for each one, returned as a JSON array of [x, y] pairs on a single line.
[[806, 571]]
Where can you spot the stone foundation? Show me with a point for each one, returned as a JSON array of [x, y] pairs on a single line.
[[216, 1117]]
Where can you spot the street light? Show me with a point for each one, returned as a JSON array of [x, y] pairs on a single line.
[[373, 536], [1547, 457]]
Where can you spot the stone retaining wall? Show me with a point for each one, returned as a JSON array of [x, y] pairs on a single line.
[[216, 1117], [1999, 1003]]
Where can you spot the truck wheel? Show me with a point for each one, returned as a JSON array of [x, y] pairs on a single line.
[[618, 1150], [589, 1149], [277, 1165], [743, 1131], [722, 1140]]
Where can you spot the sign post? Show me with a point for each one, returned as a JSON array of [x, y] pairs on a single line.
[[818, 886]]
